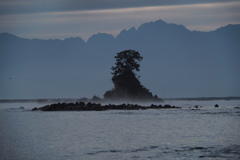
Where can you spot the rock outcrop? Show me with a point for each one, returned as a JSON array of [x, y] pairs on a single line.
[[81, 106]]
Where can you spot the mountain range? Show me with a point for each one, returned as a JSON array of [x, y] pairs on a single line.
[[176, 62]]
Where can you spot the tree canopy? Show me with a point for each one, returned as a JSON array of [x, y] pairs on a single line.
[[126, 61]]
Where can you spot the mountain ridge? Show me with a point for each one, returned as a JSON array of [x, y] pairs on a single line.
[[159, 23], [176, 62]]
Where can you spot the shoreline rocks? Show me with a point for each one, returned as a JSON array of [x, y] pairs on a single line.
[[81, 106]]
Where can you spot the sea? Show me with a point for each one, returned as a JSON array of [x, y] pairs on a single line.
[[197, 131]]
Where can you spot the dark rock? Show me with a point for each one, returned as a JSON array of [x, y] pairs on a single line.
[[81, 106], [166, 106], [126, 84], [34, 109], [196, 106], [216, 105]]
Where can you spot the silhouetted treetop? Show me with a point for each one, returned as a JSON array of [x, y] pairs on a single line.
[[126, 61], [126, 85]]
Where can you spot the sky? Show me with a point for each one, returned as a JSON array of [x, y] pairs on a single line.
[[59, 19]]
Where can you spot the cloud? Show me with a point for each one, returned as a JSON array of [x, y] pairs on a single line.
[[84, 23], [36, 6]]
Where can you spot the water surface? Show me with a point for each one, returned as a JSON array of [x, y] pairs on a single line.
[[205, 132]]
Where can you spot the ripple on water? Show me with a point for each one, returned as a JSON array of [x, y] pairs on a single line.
[[156, 152]]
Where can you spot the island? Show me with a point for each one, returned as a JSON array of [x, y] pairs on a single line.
[[127, 88]]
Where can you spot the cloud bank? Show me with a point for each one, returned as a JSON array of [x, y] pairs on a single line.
[[62, 19], [36, 6]]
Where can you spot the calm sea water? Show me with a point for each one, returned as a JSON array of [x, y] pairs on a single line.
[[188, 133]]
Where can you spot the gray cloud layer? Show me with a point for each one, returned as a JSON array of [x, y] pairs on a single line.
[[61, 22], [36, 6]]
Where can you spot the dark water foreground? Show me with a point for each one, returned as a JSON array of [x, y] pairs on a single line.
[[202, 132], [81, 106]]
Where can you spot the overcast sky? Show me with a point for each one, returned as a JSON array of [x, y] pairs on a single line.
[[82, 18]]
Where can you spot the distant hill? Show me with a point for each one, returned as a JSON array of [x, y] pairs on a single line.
[[176, 62]]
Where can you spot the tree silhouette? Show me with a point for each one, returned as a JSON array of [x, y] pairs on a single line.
[[126, 61], [126, 85]]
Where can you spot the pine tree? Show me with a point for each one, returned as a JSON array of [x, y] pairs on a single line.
[[126, 85]]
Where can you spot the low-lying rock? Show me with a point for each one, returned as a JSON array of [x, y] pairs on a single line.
[[81, 106]]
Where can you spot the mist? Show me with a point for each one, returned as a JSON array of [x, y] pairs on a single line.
[[176, 62]]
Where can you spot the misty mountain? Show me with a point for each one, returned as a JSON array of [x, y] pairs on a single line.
[[176, 62]]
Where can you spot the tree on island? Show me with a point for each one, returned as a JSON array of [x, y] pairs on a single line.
[[126, 85]]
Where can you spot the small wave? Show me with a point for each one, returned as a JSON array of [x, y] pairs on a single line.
[[215, 113], [198, 152], [142, 149], [124, 113], [231, 152], [14, 109], [225, 113]]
